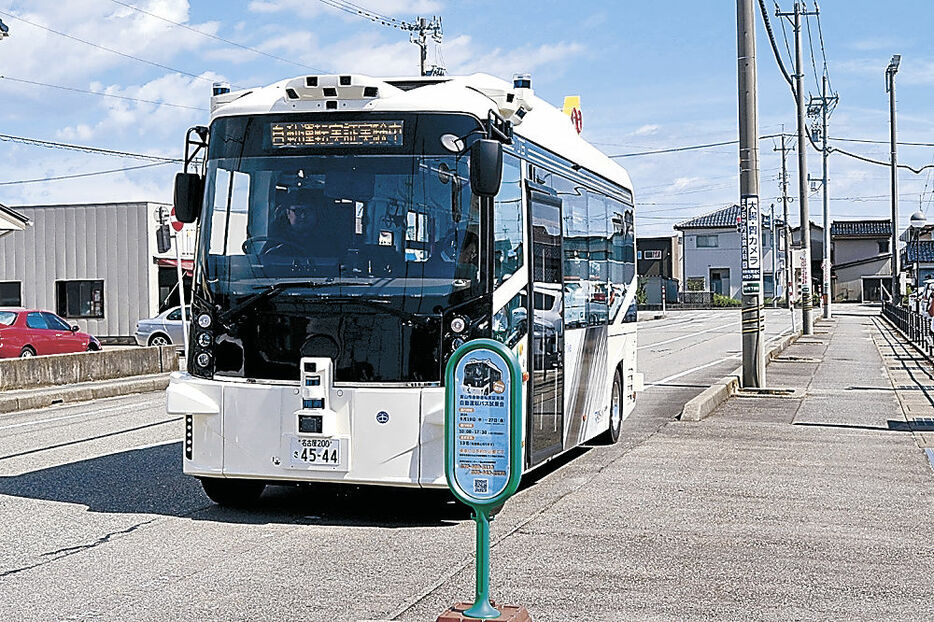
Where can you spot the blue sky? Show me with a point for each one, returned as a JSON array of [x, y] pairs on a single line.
[[651, 76]]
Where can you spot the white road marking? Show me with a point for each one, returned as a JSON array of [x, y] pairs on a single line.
[[706, 365], [690, 371], [85, 414], [694, 334]]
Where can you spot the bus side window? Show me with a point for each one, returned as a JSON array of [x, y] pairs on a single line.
[[507, 222], [622, 256], [598, 247]]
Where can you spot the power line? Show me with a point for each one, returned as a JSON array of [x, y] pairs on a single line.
[[807, 23], [101, 94], [880, 142], [85, 149], [778, 56], [106, 49], [77, 175], [217, 38], [820, 34], [688, 148]]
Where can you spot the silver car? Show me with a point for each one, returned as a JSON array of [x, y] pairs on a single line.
[[162, 330]]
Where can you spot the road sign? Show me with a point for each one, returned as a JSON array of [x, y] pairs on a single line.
[[175, 223], [752, 243], [483, 441]]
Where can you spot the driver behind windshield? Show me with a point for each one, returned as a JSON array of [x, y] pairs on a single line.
[[302, 226]]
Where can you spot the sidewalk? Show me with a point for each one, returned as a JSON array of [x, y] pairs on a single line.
[[816, 507]]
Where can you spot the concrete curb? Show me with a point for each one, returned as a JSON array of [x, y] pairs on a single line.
[[14, 401], [712, 397]]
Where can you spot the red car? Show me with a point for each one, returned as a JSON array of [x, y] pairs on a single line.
[[28, 332]]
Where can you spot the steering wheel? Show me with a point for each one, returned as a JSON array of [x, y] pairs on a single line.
[[278, 243]]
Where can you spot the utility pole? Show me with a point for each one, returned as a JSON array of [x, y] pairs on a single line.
[[806, 302], [774, 253], [419, 31], [890, 72], [752, 324], [789, 268], [821, 105]]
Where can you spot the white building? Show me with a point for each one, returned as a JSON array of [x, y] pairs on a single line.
[[712, 254], [97, 265]]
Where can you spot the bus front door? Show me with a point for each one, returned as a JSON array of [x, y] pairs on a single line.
[[546, 425]]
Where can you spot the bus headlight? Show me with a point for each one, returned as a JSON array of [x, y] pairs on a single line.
[[458, 325], [204, 320], [203, 359], [204, 340]]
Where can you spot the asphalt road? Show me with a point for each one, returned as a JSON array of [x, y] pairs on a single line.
[[99, 523]]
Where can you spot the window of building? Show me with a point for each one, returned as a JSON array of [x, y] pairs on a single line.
[[79, 299], [11, 294], [708, 241], [883, 246]]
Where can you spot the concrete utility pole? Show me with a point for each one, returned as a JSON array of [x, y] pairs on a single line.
[[821, 105], [806, 302], [890, 72], [419, 31], [789, 268], [753, 360], [774, 247]]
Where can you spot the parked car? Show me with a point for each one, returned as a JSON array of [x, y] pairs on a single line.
[[28, 332], [162, 330]]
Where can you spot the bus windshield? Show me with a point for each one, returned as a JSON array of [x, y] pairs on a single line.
[[293, 235], [371, 225]]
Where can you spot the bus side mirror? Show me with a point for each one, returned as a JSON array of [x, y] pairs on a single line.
[[486, 167], [189, 191]]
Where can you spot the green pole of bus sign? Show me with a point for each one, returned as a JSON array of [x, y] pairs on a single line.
[[483, 442]]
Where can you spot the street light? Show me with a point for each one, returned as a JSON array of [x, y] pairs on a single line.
[[4, 30], [917, 222], [890, 72]]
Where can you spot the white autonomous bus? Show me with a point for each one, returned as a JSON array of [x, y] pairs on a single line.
[[352, 232]]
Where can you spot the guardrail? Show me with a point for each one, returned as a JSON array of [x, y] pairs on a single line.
[[915, 326], [67, 369]]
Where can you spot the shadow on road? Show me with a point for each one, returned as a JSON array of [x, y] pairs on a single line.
[[150, 481]]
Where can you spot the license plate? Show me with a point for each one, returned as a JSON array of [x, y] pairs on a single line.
[[316, 453]]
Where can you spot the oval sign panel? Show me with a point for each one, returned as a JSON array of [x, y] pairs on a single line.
[[483, 425]]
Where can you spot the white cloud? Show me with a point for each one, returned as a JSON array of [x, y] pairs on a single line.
[[464, 56], [646, 130], [153, 123], [42, 55], [308, 8]]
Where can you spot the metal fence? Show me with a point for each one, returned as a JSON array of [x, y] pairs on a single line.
[[915, 326]]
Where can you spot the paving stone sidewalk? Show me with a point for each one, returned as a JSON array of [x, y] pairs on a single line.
[[817, 507]]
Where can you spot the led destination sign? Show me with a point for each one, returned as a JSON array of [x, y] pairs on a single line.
[[336, 134]]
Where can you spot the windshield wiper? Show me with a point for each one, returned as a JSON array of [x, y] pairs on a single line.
[[277, 288]]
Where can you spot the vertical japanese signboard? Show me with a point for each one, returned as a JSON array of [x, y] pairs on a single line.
[[483, 441], [750, 229]]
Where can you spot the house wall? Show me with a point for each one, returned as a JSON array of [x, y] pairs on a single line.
[[111, 242], [670, 264], [847, 250], [699, 261], [848, 286]]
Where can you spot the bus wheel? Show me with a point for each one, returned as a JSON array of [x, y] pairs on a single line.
[[232, 492], [616, 410]]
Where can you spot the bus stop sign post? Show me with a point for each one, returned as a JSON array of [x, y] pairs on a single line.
[[483, 447]]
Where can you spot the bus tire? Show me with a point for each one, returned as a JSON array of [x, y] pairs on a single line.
[[612, 434], [232, 492]]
